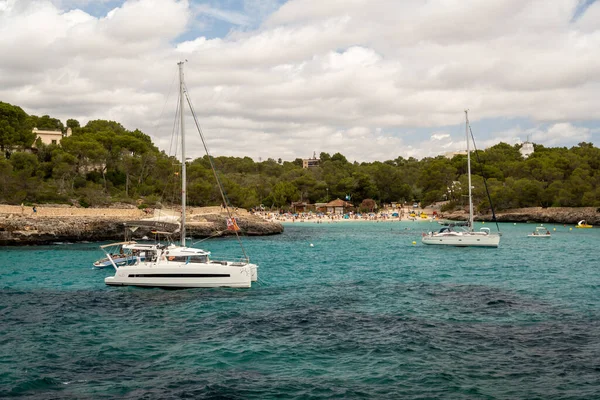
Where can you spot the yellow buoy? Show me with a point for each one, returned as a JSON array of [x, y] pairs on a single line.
[[570, 229], [414, 242], [554, 229]]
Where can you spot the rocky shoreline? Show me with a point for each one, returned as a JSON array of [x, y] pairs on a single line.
[[51, 224], [59, 224], [557, 215]]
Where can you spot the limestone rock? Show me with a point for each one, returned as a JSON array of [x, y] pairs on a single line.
[[27, 230], [558, 215]]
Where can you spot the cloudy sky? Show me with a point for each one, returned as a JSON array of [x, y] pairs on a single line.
[[372, 79]]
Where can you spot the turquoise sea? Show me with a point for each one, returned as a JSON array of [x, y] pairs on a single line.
[[363, 313]]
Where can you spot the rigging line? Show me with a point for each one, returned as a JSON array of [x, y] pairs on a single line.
[[174, 136], [487, 191], [210, 160], [163, 194], [218, 233], [165, 104], [227, 201], [219, 184], [175, 132]]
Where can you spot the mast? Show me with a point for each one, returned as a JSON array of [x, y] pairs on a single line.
[[183, 170], [469, 170]]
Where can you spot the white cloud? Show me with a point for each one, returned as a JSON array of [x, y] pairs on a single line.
[[440, 136], [370, 79], [562, 133], [224, 15]]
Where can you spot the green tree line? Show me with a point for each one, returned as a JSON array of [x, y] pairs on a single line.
[[102, 163]]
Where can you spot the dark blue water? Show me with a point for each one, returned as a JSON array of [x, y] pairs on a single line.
[[362, 314]]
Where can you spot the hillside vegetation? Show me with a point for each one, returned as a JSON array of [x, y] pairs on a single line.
[[102, 163]]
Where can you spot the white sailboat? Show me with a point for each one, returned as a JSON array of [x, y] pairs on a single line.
[[452, 235], [172, 266]]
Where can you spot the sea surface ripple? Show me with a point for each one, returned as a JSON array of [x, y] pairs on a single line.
[[363, 313]]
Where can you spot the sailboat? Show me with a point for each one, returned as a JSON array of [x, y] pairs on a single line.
[[463, 236], [178, 266]]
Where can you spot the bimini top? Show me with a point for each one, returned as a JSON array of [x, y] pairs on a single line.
[[170, 249]]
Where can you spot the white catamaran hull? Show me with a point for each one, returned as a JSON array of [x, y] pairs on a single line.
[[184, 276], [466, 240]]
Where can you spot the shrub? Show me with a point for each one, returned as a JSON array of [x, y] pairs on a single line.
[[449, 206]]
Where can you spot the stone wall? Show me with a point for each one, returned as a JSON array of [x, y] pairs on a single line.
[[68, 211]]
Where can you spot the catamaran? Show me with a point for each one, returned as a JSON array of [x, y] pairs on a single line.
[[178, 266], [463, 236]]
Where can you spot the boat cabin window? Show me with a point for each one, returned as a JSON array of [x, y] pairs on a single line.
[[177, 258], [147, 254], [199, 259], [189, 259]]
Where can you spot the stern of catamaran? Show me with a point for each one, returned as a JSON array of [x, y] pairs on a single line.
[[254, 271]]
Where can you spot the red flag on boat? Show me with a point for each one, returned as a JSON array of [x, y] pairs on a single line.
[[232, 225]]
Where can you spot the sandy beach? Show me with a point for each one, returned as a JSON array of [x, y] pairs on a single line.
[[562, 215], [385, 215], [122, 212]]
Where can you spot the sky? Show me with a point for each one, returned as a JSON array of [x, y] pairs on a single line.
[[371, 79]]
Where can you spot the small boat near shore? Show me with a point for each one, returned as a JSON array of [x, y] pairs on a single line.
[[540, 232], [583, 224]]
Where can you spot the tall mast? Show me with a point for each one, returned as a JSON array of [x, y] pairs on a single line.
[[183, 171], [469, 170]]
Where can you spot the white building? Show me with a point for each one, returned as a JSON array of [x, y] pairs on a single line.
[[527, 149], [50, 137]]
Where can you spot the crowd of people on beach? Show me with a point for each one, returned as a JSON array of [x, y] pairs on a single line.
[[322, 217]]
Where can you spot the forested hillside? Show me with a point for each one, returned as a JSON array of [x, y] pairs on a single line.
[[102, 162]]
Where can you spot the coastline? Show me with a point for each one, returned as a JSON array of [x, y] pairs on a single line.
[[59, 223], [559, 215]]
